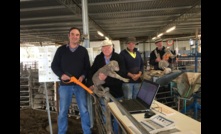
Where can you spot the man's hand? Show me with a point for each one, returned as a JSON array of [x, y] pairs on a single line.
[[136, 77], [92, 87], [65, 77], [102, 76], [158, 59], [81, 78]]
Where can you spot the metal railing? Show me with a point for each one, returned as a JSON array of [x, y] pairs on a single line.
[[105, 127]]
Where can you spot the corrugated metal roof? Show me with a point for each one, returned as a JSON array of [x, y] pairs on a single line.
[[50, 20]]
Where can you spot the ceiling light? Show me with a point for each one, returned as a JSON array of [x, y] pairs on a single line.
[[101, 34], [153, 38], [159, 34], [170, 29], [106, 38]]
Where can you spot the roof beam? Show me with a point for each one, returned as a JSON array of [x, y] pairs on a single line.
[[182, 18]]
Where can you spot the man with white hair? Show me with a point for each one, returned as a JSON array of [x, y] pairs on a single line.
[[107, 54]]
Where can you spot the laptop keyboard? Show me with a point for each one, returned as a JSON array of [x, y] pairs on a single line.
[[132, 104]]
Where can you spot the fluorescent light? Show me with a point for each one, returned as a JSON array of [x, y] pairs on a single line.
[[101, 34], [170, 29], [159, 34], [153, 38], [106, 38]]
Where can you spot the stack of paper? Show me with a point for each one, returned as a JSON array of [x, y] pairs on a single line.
[[155, 124]]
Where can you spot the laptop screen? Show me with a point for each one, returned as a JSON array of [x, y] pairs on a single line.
[[147, 92]]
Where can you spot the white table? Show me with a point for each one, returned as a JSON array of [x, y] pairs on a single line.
[[185, 124]]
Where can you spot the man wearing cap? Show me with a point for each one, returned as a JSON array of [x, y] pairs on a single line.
[[114, 85], [156, 55], [134, 68]]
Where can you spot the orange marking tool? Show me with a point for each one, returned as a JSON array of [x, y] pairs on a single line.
[[73, 79]]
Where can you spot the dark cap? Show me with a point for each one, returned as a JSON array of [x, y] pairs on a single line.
[[131, 39], [158, 40]]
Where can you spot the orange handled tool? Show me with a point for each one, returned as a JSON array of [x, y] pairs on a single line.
[[73, 79]]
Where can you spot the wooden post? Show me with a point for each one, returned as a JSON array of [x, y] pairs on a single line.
[[57, 100]]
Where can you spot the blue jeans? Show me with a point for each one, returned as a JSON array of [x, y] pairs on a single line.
[[115, 124], [131, 90], [65, 94]]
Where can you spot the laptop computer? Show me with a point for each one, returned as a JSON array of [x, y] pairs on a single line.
[[144, 99]]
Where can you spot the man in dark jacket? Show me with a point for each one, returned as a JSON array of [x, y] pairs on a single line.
[[157, 55], [114, 85], [102, 59], [72, 60], [134, 69]]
